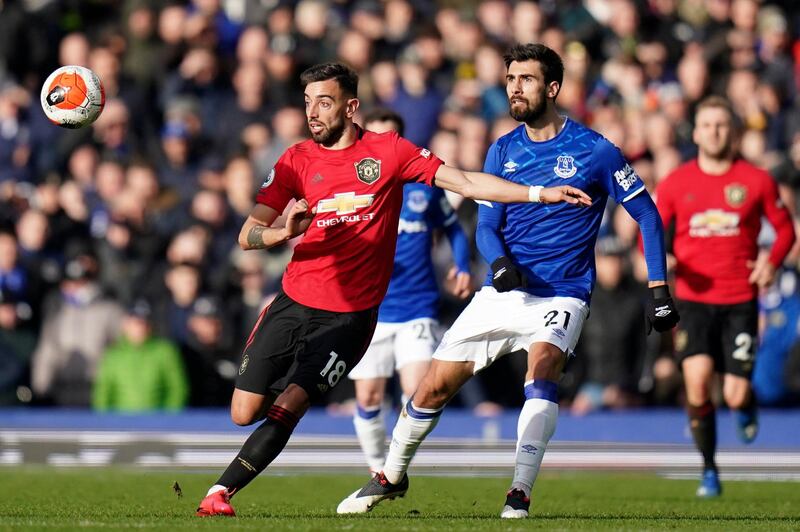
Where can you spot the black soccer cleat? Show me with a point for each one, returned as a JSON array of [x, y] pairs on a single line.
[[517, 505], [376, 490]]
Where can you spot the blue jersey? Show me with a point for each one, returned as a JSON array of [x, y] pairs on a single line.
[[553, 245], [780, 307], [413, 292]]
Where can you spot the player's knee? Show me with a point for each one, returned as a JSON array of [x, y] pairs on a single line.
[[369, 398], [736, 398], [697, 395], [294, 399], [242, 416]]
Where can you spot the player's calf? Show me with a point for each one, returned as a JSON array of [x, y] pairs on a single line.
[[371, 432]]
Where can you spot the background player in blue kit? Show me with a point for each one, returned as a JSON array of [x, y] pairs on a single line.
[[408, 329], [537, 295]]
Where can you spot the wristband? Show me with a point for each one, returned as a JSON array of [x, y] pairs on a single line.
[[533, 193], [661, 291]]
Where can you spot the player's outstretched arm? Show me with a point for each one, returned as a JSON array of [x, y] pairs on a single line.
[[256, 232], [482, 186], [661, 313]]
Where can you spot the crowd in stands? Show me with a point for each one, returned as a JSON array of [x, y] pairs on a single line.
[[121, 282]]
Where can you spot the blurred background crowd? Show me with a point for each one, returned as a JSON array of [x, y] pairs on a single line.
[[121, 282]]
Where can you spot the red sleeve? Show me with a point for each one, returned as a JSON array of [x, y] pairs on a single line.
[[416, 164], [281, 184], [778, 215]]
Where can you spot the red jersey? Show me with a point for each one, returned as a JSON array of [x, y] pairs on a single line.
[[717, 221], [344, 261]]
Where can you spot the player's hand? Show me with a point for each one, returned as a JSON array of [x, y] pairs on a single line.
[[506, 276], [298, 219], [763, 274], [661, 313], [461, 286], [565, 194]]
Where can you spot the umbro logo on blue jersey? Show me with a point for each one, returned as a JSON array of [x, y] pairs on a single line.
[[565, 167], [510, 166]]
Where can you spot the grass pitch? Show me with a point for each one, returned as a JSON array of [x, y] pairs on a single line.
[[85, 499]]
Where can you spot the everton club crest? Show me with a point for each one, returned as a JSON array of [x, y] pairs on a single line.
[[565, 167], [735, 194], [368, 170]]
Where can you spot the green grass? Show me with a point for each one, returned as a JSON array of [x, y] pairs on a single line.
[[77, 499]]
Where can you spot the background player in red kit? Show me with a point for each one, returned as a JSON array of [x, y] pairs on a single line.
[[320, 324], [717, 202]]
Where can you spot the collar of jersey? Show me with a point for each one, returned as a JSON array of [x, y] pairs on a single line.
[[567, 124]]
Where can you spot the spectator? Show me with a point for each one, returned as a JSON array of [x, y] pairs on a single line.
[[612, 341], [416, 100], [140, 372], [247, 106], [183, 283], [15, 147], [208, 354], [14, 278], [17, 343], [78, 327]]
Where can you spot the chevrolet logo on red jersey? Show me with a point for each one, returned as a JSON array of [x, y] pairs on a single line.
[[345, 203]]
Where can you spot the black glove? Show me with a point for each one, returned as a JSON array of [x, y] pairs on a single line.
[[661, 313], [506, 276]]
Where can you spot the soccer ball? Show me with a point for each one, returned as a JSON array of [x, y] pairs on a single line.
[[72, 97]]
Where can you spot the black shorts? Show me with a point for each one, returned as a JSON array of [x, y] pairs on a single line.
[[729, 333], [295, 344]]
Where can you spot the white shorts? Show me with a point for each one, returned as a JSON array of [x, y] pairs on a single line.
[[395, 345], [495, 324]]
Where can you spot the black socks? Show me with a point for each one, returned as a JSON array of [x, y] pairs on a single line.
[[260, 449]]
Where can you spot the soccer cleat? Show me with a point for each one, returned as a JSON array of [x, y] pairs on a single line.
[[709, 485], [218, 503], [517, 504], [376, 490], [747, 423]]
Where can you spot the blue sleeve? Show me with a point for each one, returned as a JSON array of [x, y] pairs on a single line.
[[458, 242], [491, 214], [643, 210], [443, 215], [614, 173], [487, 235]]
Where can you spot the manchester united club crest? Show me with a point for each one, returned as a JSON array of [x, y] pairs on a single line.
[[368, 170], [735, 194], [565, 167]]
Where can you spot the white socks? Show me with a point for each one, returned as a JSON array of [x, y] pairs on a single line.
[[215, 488], [371, 432], [536, 425], [413, 425]]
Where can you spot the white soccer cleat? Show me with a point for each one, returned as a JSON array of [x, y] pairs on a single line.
[[376, 490]]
